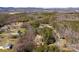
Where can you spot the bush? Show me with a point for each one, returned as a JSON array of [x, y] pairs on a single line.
[[46, 33], [47, 48], [35, 23], [53, 48], [25, 47], [42, 48], [1, 31], [14, 36], [26, 43]]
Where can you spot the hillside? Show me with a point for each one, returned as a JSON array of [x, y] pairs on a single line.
[[33, 9], [39, 32]]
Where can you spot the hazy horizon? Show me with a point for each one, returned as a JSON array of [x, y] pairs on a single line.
[[40, 7]]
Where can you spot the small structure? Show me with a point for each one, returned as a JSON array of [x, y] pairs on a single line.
[[8, 46]]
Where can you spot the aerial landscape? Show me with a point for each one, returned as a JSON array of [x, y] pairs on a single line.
[[39, 29]]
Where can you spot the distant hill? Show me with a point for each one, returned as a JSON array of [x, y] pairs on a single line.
[[29, 9]]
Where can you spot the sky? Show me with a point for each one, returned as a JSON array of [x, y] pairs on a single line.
[[40, 3]]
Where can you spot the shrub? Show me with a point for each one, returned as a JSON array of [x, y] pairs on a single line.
[[46, 33], [53, 48], [1, 31], [25, 47], [47, 48], [26, 43], [42, 48], [14, 36], [35, 23]]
